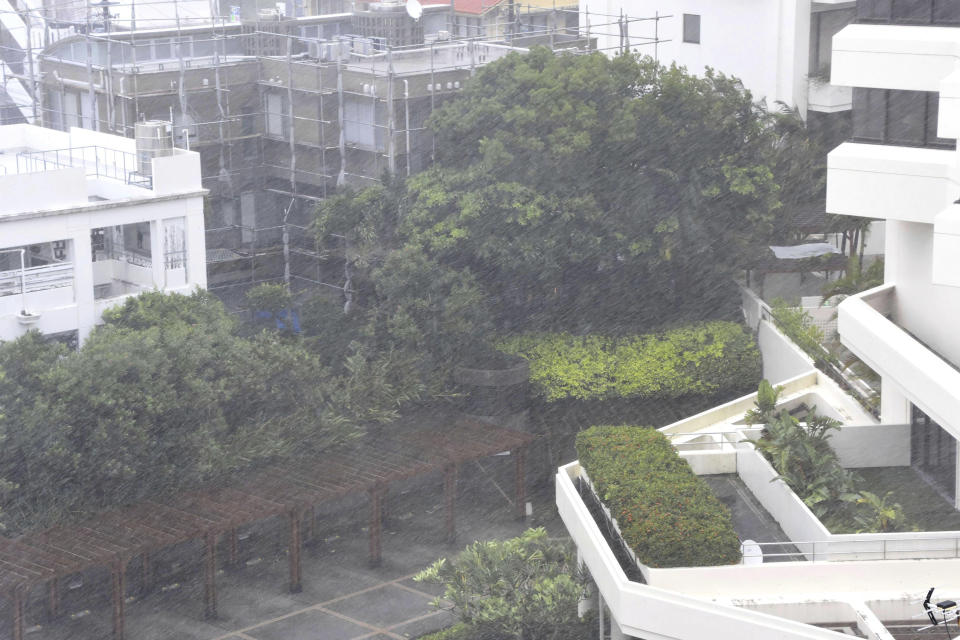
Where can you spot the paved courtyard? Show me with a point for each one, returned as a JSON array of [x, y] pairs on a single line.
[[342, 598]]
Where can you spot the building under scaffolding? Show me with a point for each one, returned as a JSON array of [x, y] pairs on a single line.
[[282, 111]]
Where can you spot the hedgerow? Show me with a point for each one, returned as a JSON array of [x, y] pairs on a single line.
[[709, 358], [667, 515]]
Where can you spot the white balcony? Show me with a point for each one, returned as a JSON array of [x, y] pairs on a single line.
[[899, 183], [45, 287], [883, 56], [926, 379], [828, 98]]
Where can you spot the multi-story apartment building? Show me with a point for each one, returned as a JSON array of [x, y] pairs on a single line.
[[87, 219], [901, 58], [901, 166], [281, 110], [780, 49]]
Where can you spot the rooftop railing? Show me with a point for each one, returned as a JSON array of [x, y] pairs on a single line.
[[49, 276], [98, 162]]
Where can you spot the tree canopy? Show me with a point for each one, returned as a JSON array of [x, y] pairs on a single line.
[[167, 395], [579, 190]]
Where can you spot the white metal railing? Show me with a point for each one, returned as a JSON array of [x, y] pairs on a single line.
[[873, 548], [49, 276], [99, 162], [705, 441], [130, 257]]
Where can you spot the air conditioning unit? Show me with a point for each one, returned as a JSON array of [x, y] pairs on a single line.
[[443, 34]]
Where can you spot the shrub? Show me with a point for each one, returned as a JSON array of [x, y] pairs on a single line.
[[526, 587], [667, 515], [703, 359]]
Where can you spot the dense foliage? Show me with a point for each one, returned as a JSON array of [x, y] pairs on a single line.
[[582, 191], [796, 324], [704, 359], [667, 515], [525, 588], [800, 452], [164, 396]]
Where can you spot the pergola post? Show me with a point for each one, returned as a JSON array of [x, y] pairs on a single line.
[[210, 576], [450, 500], [376, 524], [53, 598], [17, 631], [118, 599], [295, 543], [521, 484]]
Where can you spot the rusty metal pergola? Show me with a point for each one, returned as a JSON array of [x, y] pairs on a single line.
[[293, 489]]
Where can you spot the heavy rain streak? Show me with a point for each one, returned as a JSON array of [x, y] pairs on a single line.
[[478, 319]]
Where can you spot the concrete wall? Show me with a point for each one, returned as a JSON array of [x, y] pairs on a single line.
[[793, 516], [875, 445], [765, 43], [782, 360], [649, 612]]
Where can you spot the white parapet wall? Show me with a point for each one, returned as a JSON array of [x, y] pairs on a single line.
[[649, 612]]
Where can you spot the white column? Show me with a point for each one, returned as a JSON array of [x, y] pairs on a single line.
[[83, 283], [586, 603], [894, 405], [615, 632], [156, 254], [196, 244]]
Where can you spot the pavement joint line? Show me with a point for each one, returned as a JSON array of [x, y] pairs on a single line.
[[417, 619], [417, 591], [312, 607], [360, 623]]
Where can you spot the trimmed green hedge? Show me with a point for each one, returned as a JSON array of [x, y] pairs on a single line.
[[706, 359], [667, 515]]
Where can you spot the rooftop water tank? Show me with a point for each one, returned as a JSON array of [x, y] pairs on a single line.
[[154, 139]]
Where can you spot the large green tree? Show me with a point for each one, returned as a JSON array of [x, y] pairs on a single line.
[[598, 187], [166, 395]]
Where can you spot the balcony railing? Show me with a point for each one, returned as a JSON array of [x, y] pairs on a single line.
[[97, 162], [49, 276]]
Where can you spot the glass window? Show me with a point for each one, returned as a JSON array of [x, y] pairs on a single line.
[[869, 114], [874, 9], [203, 47], [911, 11], [906, 117], [275, 115], [946, 11], [161, 49], [691, 28]]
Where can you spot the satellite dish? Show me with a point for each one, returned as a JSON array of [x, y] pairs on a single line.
[[414, 9]]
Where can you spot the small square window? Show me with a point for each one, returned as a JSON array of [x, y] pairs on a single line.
[[691, 28]]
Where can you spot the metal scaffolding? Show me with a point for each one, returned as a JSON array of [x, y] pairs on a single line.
[[282, 111]]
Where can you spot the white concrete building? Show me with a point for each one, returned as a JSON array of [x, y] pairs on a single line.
[[87, 219], [902, 59], [779, 48]]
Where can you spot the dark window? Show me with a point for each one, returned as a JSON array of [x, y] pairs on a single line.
[[933, 452], [912, 11], [691, 28], [873, 9], [897, 117], [906, 115], [946, 11], [869, 114], [909, 11]]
